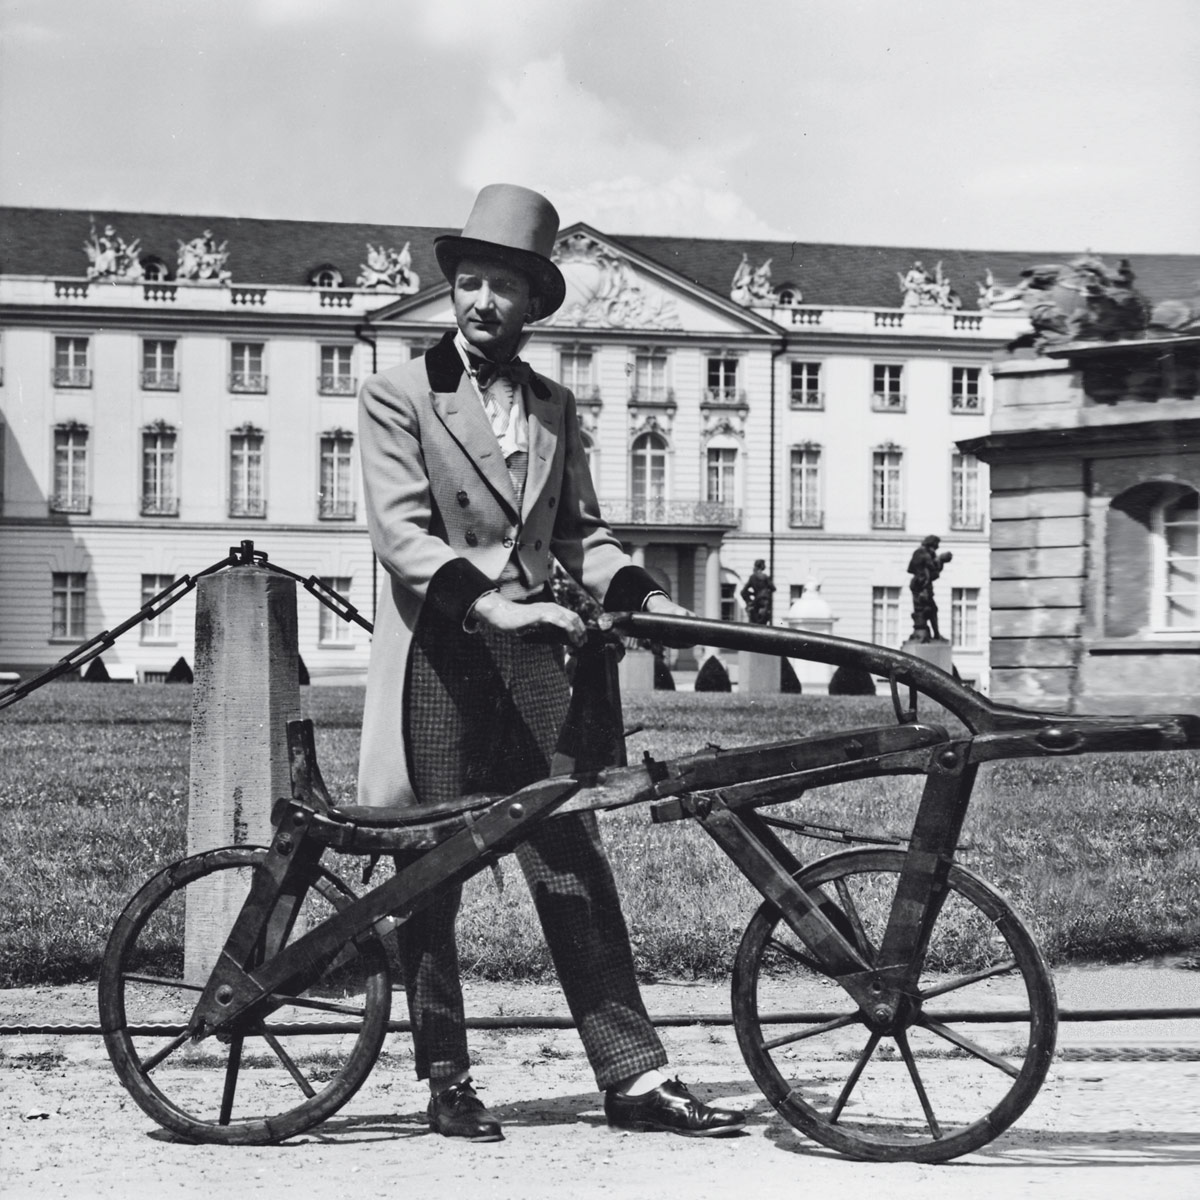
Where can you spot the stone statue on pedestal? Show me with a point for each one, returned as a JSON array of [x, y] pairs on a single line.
[[757, 592], [925, 566]]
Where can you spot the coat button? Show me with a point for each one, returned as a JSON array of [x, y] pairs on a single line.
[[538, 544], [463, 499], [552, 499], [471, 538], [508, 543]]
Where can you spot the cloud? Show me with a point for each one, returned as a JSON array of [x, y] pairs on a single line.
[[540, 127], [498, 26]]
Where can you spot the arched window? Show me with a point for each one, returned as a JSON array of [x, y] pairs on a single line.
[[648, 477], [1151, 562], [1175, 546]]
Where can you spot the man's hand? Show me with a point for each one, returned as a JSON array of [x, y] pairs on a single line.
[[663, 606], [494, 610]]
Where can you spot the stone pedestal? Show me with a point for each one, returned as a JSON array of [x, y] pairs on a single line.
[[246, 690], [935, 653], [636, 671], [758, 673]]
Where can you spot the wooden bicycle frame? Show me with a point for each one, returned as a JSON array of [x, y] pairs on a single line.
[[720, 789]]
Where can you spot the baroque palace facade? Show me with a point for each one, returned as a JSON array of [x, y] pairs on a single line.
[[175, 385]]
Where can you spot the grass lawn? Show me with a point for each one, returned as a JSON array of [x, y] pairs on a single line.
[[1101, 854]]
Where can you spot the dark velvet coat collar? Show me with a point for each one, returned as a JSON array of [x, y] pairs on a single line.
[[445, 369]]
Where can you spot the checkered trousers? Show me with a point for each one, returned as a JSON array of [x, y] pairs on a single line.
[[483, 714]]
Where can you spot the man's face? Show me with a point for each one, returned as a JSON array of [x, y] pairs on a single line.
[[491, 305]]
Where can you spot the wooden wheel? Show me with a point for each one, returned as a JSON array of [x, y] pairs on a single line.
[[276, 1076], [948, 1076]]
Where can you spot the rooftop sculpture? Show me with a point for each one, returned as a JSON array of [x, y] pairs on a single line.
[[389, 270], [202, 260], [112, 257]]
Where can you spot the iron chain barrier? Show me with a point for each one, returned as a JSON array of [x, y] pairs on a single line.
[[243, 555]]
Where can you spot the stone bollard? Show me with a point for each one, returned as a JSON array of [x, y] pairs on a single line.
[[246, 690]]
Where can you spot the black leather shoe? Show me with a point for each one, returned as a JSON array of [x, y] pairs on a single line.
[[672, 1108], [457, 1112]]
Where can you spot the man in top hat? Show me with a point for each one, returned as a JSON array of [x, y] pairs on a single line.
[[476, 480]]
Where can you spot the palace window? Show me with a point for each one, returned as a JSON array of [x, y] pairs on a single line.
[[325, 277], [887, 498], [159, 372], [805, 507], [966, 511], [68, 604], [337, 485], [246, 367], [888, 387], [246, 493], [885, 616], [337, 371], [721, 475], [1175, 530], [71, 470], [964, 617], [806, 385], [648, 477], [723, 380], [160, 493], [71, 368], [331, 629], [650, 379], [964, 390], [575, 372], [162, 627]]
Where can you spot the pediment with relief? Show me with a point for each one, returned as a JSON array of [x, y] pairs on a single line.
[[604, 292]]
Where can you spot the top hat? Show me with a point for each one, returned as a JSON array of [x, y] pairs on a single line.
[[517, 226]]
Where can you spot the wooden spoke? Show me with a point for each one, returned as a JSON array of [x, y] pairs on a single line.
[[865, 946], [973, 1048], [148, 1064], [863, 1059], [961, 981], [814, 1031], [348, 1010], [232, 1069], [287, 1060], [159, 981], [796, 956], [915, 1075]]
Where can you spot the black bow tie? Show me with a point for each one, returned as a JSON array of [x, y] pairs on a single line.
[[487, 372]]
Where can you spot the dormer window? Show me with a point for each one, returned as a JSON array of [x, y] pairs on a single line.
[[154, 270], [326, 276]]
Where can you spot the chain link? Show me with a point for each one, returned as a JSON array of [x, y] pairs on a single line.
[[243, 555]]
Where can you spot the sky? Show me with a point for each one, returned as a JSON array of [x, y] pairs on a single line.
[[972, 124]]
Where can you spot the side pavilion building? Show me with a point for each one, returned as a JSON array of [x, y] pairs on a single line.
[[173, 385]]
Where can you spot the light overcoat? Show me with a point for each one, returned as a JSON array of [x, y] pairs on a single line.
[[444, 521]]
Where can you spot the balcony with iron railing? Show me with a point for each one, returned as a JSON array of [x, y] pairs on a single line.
[[337, 385], [887, 518], [157, 379], [248, 508], [727, 397], [683, 513], [888, 401], [663, 396], [70, 502], [72, 377], [331, 509], [806, 517], [802, 398], [159, 506], [247, 381]]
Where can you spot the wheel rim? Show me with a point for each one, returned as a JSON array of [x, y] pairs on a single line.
[[941, 1082], [271, 1080]]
